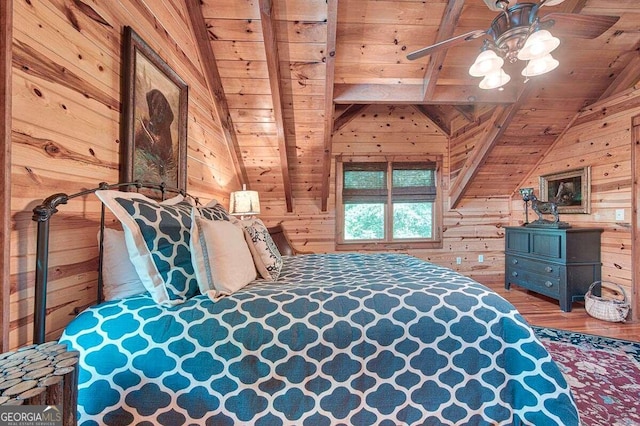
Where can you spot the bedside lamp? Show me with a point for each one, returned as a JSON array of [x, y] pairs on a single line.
[[526, 197], [244, 203]]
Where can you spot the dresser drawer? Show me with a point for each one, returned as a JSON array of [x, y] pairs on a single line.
[[535, 266], [542, 284]]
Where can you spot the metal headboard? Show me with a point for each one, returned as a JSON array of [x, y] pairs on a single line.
[[43, 212]]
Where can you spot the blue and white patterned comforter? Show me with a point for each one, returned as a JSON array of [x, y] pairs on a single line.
[[377, 339]]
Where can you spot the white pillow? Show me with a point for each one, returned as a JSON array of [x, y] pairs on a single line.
[[119, 276], [265, 252], [220, 256]]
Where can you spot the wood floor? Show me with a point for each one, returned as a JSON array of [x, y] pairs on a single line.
[[545, 312]]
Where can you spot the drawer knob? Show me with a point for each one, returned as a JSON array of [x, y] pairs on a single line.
[[548, 269], [514, 274], [514, 261], [548, 284]]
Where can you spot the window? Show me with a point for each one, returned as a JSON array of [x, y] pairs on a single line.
[[387, 202]]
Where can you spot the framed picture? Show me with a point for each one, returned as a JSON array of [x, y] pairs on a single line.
[[570, 190], [154, 117]]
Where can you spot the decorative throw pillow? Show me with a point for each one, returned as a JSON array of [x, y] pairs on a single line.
[[157, 238], [220, 255], [214, 211], [265, 253], [119, 276]]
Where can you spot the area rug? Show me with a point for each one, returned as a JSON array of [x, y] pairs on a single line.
[[604, 375]]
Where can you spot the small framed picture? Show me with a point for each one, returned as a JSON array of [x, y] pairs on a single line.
[[570, 190]]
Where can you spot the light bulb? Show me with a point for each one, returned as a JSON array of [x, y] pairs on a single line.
[[538, 44], [486, 62], [540, 66], [495, 79]]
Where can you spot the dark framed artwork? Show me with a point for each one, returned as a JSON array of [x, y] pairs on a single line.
[[154, 117], [570, 190]]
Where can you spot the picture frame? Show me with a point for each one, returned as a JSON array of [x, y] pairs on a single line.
[[571, 190], [154, 117]]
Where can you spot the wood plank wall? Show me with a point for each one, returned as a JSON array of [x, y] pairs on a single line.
[[65, 135], [6, 31], [476, 227], [601, 138]]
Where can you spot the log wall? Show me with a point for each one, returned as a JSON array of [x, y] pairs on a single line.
[[65, 135], [600, 138], [475, 228]]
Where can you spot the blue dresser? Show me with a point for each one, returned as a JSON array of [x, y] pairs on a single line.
[[559, 263]]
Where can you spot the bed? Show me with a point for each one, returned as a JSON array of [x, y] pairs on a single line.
[[342, 338]]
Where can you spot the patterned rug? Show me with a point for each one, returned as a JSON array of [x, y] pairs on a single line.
[[604, 375]]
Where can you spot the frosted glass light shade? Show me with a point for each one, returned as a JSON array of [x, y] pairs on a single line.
[[553, 2], [494, 80], [539, 44], [487, 62], [244, 203], [540, 66]]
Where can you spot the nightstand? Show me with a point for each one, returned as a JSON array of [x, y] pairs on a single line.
[[559, 263], [45, 374]]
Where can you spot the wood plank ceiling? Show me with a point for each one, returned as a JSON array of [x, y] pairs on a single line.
[[290, 73]]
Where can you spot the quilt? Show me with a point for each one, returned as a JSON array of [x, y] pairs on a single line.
[[366, 339]]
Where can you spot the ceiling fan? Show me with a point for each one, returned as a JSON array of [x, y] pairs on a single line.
[[509, 37]]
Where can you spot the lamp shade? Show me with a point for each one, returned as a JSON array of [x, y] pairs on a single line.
[[540, 66], [244, 203], [487, 62], [539, 44], [495, 80]]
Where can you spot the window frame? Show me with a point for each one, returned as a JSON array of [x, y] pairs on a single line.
[[388, 243]]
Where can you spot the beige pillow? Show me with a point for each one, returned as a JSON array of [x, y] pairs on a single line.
[[220, 256]]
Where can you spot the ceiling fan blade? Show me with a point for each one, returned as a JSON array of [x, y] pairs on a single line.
[[445, 44], [580, 26]]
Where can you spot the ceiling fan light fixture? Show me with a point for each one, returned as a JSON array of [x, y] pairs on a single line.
[[552, 2], [539, 66], [495, 80], [538, 45], [486, 63]]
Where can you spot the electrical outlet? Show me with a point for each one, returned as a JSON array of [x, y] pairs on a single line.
[[480, 258], [458, 260], [619, 214]]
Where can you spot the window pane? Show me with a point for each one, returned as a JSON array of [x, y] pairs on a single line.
[[413, 220], [364, 221], [409, 178], [370, 179]]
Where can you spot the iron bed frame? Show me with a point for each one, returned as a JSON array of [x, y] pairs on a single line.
[[43, 213]]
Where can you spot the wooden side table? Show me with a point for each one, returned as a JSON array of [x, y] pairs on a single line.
[[45, 374]]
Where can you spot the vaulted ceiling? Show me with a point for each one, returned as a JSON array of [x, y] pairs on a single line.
[[287, 74]]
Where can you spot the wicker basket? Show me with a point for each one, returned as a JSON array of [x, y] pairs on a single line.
[[613, 309]]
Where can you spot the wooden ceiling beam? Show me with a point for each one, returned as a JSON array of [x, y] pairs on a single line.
[[338, 110], [627, 78], [214, 84], [412, 94], [268, 20], [435, 114], [467, 111], [347, 115], [330, 61], [474, 125], [445, 31], [501, 119]]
